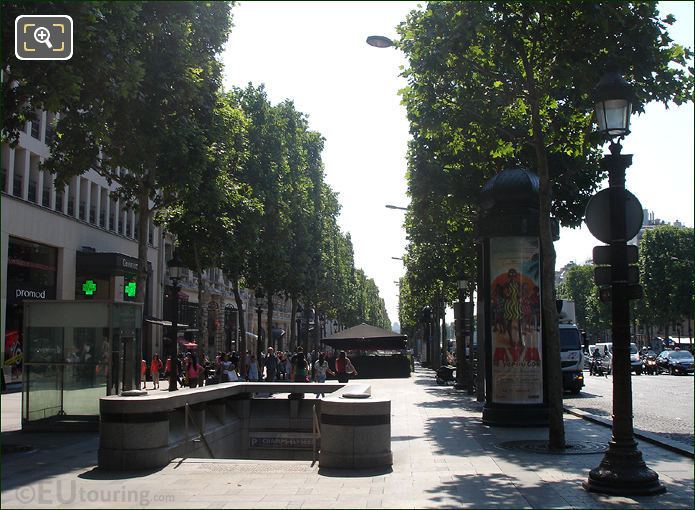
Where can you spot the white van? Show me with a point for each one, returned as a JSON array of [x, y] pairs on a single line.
[[635, 361]]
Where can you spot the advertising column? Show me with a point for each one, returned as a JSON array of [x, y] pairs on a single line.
[[517, 371]]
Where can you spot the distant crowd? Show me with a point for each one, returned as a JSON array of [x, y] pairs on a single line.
[[296, 366]]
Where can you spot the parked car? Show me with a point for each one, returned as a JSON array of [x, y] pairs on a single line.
[[675, 362]]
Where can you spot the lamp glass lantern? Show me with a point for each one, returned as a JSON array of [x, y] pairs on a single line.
[[177, 268], [259, 298], [613, 98]]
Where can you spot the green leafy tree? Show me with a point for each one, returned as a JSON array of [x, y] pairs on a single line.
[[666, 270], [105, 33], [578, 285], [205, 229], [501, 84], [147, 130]]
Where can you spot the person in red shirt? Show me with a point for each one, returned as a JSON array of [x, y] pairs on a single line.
[[155, 368], [344, 367]]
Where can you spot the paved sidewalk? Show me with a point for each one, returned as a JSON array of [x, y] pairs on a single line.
[[443, 458]]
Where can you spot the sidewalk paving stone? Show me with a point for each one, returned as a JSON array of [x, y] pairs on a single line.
[[444, 457]]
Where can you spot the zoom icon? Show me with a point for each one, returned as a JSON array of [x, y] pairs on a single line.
[[38, 37]]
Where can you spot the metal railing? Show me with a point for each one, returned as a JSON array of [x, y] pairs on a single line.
[[315, 432], [189, 416]]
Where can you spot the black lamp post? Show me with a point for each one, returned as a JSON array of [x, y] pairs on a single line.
[[461, 362], [177, 271], [622, 470], [426, 325], [298, 338], [259, 312]]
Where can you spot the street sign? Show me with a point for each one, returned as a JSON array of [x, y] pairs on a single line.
[[602, 255], [597, 216], [633, 292], [602, 275]]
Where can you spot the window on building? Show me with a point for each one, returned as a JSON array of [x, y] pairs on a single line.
[[50, 128], [35, 128], [32, 191], [17, 185]]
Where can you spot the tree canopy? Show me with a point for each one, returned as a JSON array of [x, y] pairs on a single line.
[[494, 85]]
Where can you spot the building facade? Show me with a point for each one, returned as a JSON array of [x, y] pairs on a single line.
[[72, 242]]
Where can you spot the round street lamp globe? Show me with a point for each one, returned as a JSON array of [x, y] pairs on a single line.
[[379, 41]]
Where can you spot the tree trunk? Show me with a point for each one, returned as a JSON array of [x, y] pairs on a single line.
[[293, 326], [202, 325], [445, 338], [556, 426], [241, 346], [143, 221], [269, 324], [437, 340]]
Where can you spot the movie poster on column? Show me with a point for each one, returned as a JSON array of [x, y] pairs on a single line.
[[515, 317]]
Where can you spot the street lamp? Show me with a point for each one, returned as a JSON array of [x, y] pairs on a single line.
[[379, 41], [177, 271], [259, 311], [390, 206], [426, 315], [622, 470], [298, 339], [461, 365]]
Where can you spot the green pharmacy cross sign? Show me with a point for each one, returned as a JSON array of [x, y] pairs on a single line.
[[130, 289], [89, 287]]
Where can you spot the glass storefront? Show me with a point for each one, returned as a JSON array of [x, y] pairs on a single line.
[[31, 275], [76, 352]]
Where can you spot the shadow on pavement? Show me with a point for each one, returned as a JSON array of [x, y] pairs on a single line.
[[355, 473], [494, 491], [54, 454], [581, 396], [101, 474]]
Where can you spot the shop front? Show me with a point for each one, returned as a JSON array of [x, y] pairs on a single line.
[[112, 277], [31, 275]]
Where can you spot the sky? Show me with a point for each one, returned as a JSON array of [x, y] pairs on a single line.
[[315, 54]]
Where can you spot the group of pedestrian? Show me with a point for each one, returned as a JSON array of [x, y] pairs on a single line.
[[155, 370], [274, 366]]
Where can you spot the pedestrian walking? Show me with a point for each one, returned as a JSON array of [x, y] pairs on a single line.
[[300, 367], [143, 374], [271, 365], [320, 371], [155, 368], [193, 371], [344, 367], [252, 369], [245, 364]]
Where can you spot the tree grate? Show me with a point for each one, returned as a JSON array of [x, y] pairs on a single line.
[[541, 446]]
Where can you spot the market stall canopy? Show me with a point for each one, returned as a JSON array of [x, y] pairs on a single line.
[[366, 338]]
